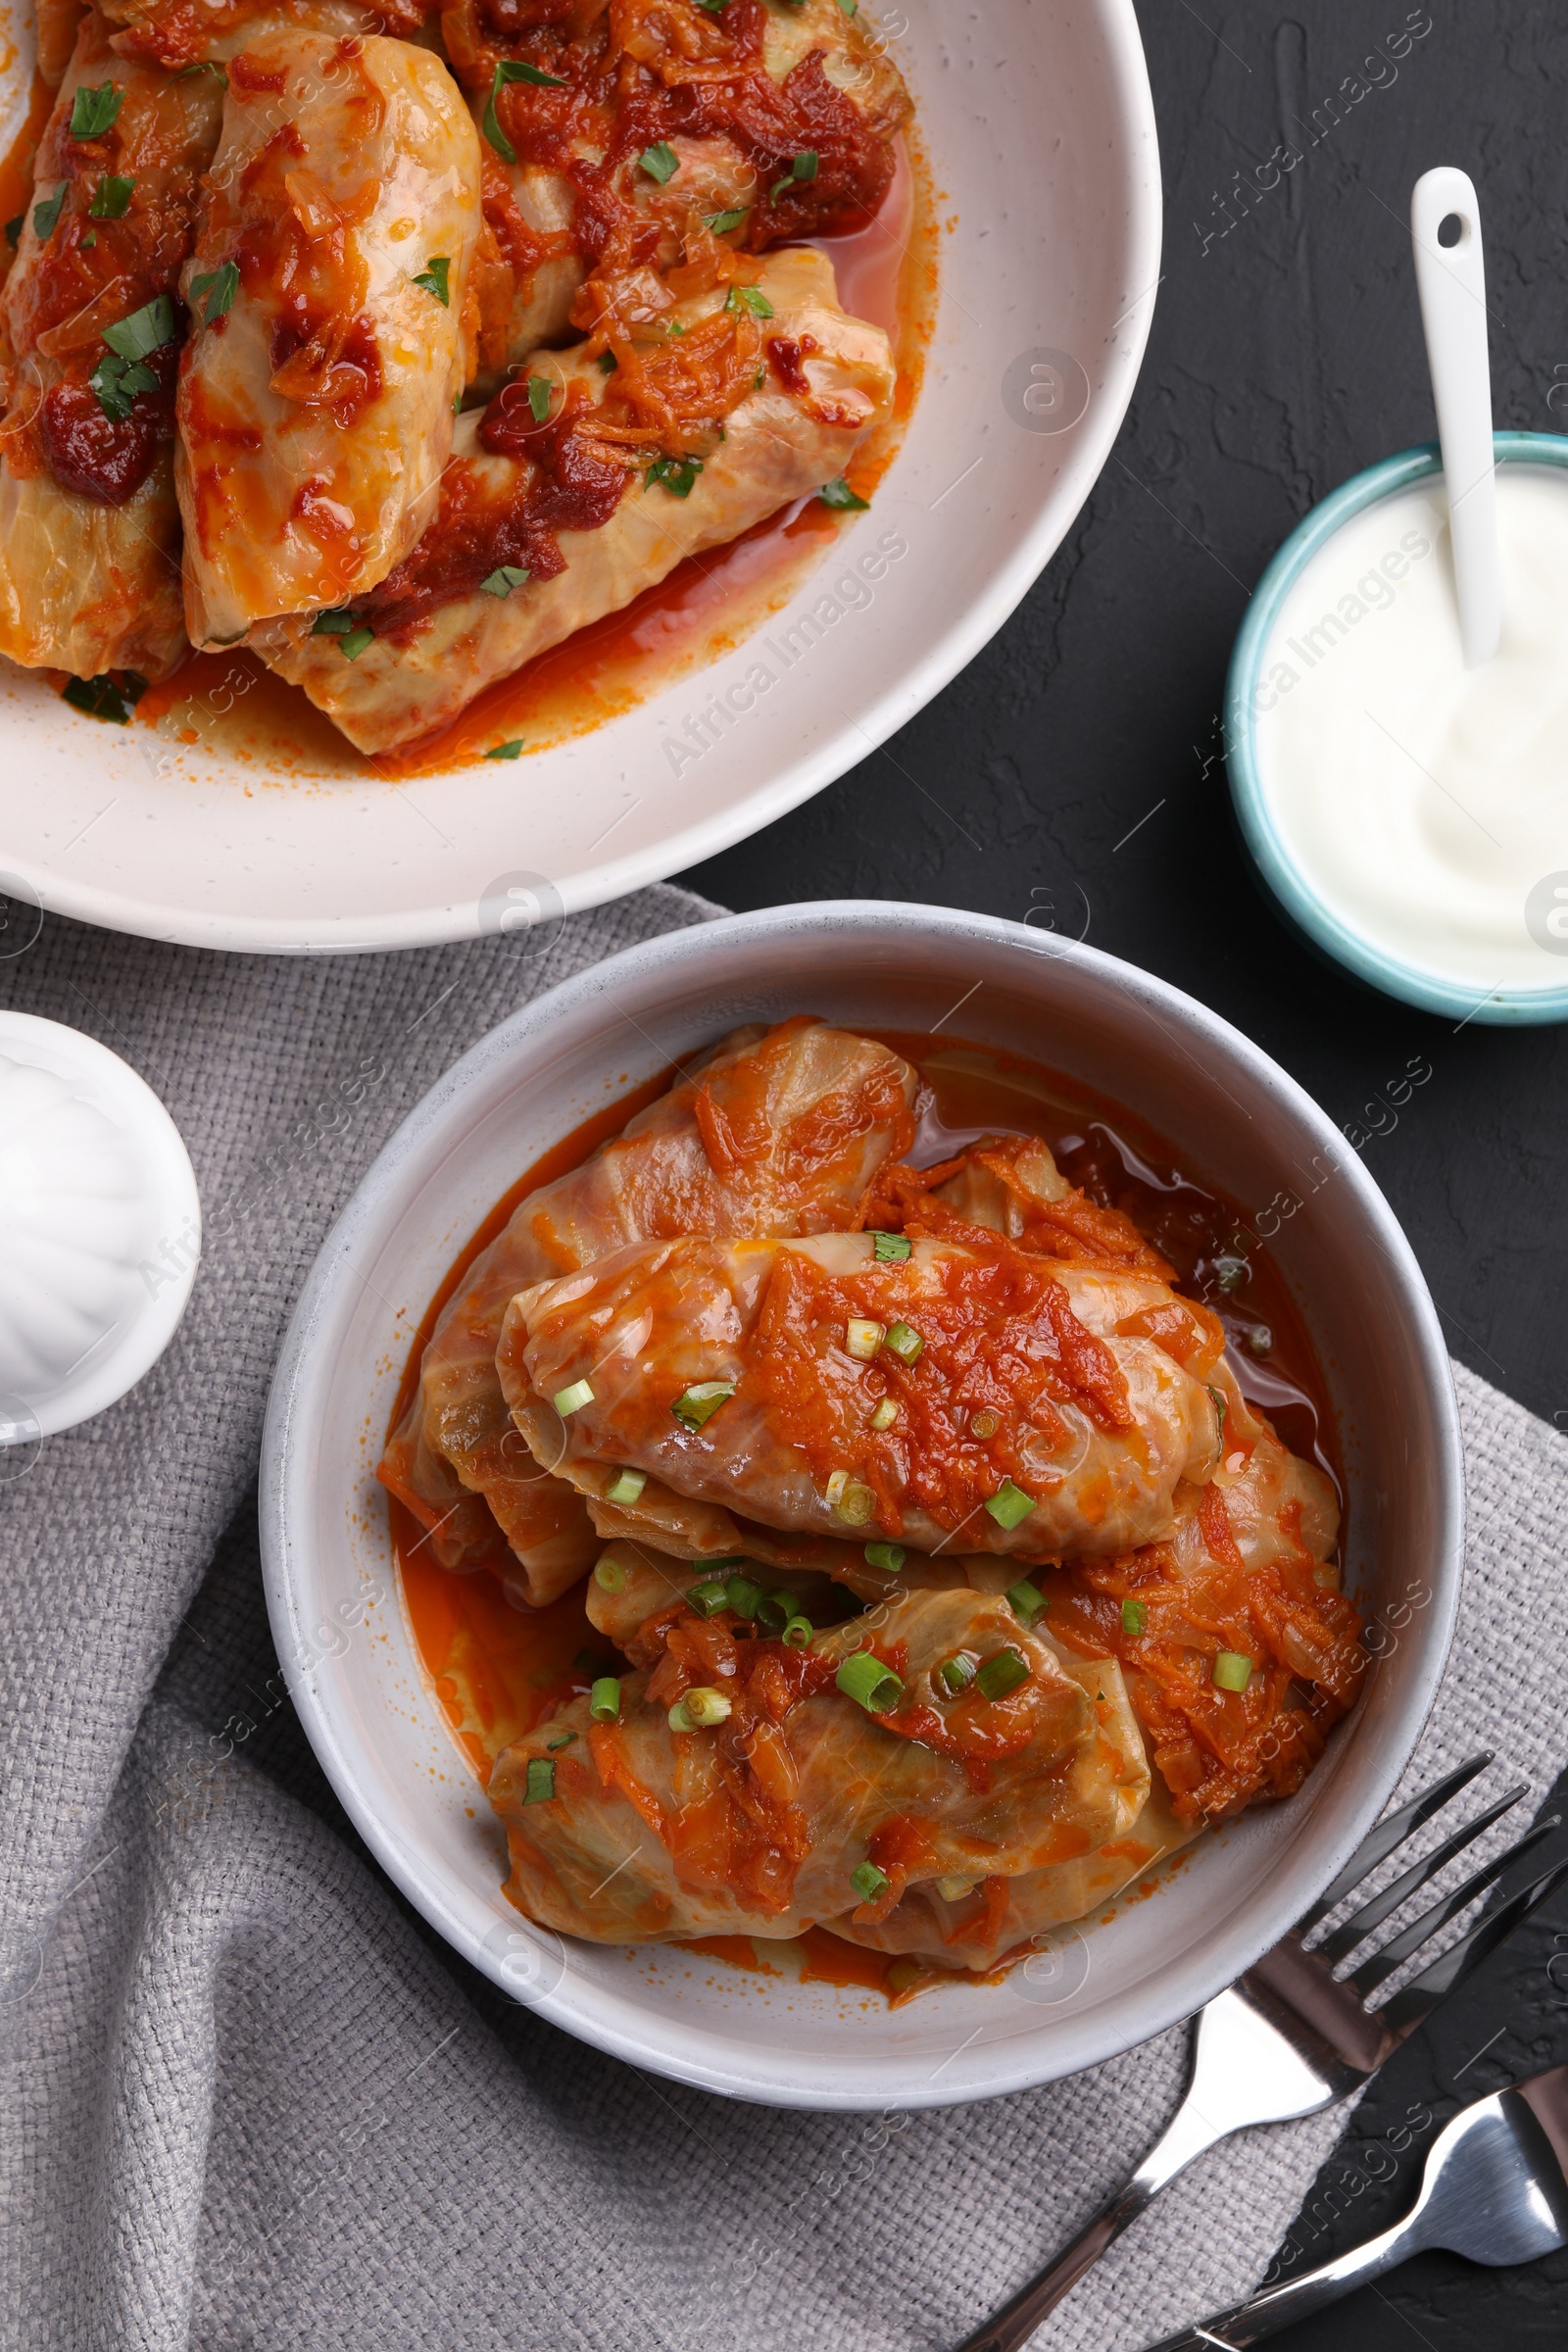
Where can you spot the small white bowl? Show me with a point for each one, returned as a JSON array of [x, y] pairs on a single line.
[[1232, 1115], [1040, 130]]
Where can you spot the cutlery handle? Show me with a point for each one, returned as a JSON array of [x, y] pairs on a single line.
[[1452, 283], [1190, 2133], [1294, 2298]]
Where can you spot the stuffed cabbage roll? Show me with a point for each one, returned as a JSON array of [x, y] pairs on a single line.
[[328, 346], [89, 529], [742, 1787], [784, 1129], [182, 33], [608, 129], [921, 1391], [552, 515], [1011, 1185]]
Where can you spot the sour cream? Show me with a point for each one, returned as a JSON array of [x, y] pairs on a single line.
[[1425, 805]]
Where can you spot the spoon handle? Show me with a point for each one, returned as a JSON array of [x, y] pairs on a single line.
[[1451, 280]]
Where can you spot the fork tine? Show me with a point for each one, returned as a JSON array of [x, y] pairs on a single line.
[[1374, 1972], [1414, 2003], [1390, 1833], [1350, 1932]]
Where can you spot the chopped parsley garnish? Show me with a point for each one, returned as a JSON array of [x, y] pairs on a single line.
[[749, 298], [660, 161], [505, 751], [838, 495], [722, 222], [504, 580], [675, 474], [433, 278], [46, 215], [102, 697], [803, 168], [539, 396], [88, 241], [714, 7], [219, 286], [509, 71], [355, 643], [93, 110], [848, 7], [14, 231], [334, 623], [145, 332], [117, 382], [110, 198]]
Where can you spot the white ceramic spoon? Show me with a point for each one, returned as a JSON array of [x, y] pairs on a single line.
[[1451, 280]]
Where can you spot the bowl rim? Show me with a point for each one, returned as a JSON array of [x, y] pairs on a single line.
[[1311, 915], [1025, 2060], [968, 632]]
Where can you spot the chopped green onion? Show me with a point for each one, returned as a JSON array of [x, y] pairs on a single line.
[[984, 1425], [955, 1674], [803, 168], [714, 7], [93, 110], [504, 580], [1259, 1340], [46, 215], [604, 1699], [871, 1685], [744, 1597], [710, 1596], [774, 1611], [797, 1635], [699, 1710], [88, 241], [888, 1249], [903, 1341], [1000, 1673], [608, 362], [1027, 1602], [890, 1557], [540, 1785], [1233, 1670], [951, 1889], [145, 332], [861, 1338], [848, 1499], [354, 644], [219, 286], [506, 750], [99, 698], [722, 222], [539, 388], [847, 7], [749, 298], [609, 1575], [869, 1882], [1231, 1272], [678, 475], [660, 161], [1010, 1506], [887, 1412], [1218, 1395], [1134, 1616], [696, 1406], [433, 278], [111, 199], [845, 501], [206, 66], [627, 1487], [334, 623], [507, 72], [573, 1398], [117, 383], [565, 1740]]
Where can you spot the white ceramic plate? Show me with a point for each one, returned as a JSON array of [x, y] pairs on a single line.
[[1038, 121], [1232, 1115]]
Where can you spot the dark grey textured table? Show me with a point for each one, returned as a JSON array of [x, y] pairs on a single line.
[[1081, 762]]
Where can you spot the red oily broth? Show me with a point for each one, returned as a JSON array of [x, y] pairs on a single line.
[[498, 1667]]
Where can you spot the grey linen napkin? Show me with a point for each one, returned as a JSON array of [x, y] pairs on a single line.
[[249, 2100]]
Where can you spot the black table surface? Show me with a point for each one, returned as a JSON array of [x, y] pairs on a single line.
[[1081, 763]]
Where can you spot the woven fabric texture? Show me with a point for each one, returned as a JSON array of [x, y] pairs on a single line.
[[249, 2100]]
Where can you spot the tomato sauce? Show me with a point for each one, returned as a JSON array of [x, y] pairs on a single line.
[[497, 1668]]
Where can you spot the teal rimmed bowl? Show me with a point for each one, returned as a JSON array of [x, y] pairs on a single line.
[[1320, 924]]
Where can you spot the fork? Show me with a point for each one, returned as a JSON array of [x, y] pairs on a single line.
[[1495, 2189], [1288, 2038]]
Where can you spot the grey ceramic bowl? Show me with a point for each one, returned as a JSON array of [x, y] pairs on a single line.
[[1234, 1117]]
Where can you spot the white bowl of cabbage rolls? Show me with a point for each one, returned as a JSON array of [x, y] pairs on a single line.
[[439, 449], [913, 1466]]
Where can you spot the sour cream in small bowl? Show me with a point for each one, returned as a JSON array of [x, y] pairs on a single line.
[[1411, 815]]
